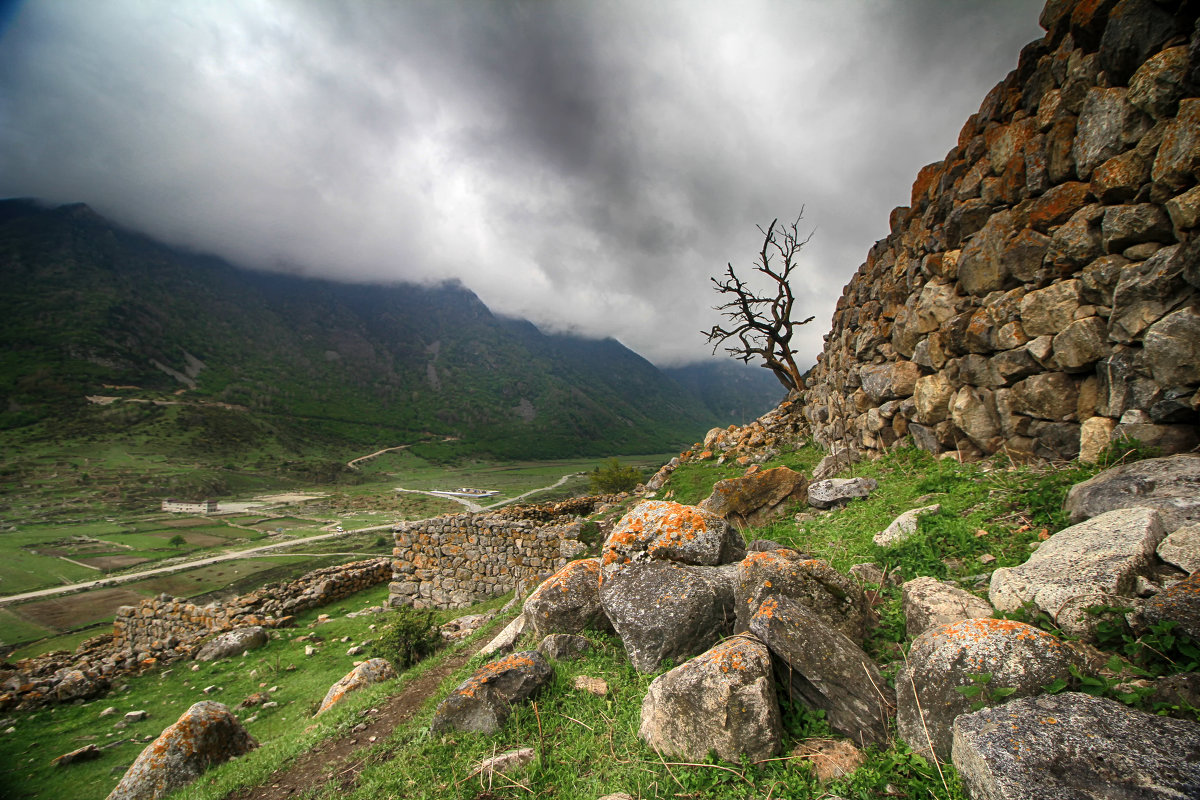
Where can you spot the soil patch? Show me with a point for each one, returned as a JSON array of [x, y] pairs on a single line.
[[187, 522], [337, 762], [64, 613]]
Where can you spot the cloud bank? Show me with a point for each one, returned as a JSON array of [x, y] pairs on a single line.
[[586, 166]]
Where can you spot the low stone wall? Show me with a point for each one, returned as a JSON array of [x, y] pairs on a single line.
[[164, 629], [457, 560]]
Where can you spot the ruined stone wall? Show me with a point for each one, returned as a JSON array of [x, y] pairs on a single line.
[[1040, 294], [164, 623], [456, 560]]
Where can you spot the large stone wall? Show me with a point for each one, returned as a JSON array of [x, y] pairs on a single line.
[[456, 560], [1040, 294]]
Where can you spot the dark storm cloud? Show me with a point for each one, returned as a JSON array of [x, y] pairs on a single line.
[[584, 165]]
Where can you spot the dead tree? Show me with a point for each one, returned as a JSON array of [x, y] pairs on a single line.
[[762, 325]]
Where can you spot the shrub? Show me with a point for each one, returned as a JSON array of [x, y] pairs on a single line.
[[405, 637], [613, 477]]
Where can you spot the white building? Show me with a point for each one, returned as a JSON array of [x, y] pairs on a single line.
[[185, 507]]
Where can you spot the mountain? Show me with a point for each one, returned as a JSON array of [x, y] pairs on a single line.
[[93, 310], [731, 390]]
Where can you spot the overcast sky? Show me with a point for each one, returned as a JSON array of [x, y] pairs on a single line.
[[586, 166]]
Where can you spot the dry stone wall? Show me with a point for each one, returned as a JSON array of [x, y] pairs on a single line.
[[1041, 294], [456, 560]]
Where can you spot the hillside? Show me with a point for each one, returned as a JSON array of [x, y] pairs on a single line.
[[94, 310]]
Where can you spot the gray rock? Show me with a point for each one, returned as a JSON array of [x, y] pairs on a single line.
[[372, 671], [1108, 125], [904, 526], [1125, 226], [1182, 548], [205, 735], [1178, 603], [1076, 242], [664, 610], [1049, 395], [86, 753], [1160, 82], [928, 603], [1172, 348], [76, 684], [233, 643], [507, 638], [504, 763], [568, 601], [973, 411], [942, 660], [1093, 563], [1050, 310], [1075, 747], [839, 491], [564, 646], [824, 591], [1148, 291], [484, 701], [825, 670], [1081, 344], [835, 462], [1170, 485], [1135, 29], [721, 701]]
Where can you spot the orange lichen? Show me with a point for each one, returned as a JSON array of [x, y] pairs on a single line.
[[767, 609], [975, 630]]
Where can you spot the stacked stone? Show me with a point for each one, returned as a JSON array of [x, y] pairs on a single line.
[[1041, 294], [757, 442], [457, 560], [165, 628]]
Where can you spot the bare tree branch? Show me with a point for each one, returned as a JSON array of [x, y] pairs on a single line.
[[761, 325]]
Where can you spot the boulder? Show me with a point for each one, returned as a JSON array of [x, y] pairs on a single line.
[[564, 646], [371, 671], [1093, 563], [1073, 746], [722, 701], [1178, 603], [77, 684], [1108, 125], [1172, 348], [1125, 226], [824, 591], [1148, 291], [1050, 310], [756, 497], [889, 381], [904, 526], [206, 735], [1182, 548], [835, 462], [1170, 485], [1048, 395], [1001, 654], [1135, 29], [506, 639], [568, 601], [86, 753], [1178, 158], [839, 491], [825, 670], [665, 610], [1094, 436], [484, 701], [929, 603], [233, 643], [932, 396], [1081, 344], [659, 530]]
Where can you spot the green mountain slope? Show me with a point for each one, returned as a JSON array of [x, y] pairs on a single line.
[[94, 310]]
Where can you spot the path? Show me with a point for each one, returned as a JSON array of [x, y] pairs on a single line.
[[560, 482], [354, 461], [335, 763]]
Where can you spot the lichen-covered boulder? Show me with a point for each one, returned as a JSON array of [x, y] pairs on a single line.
[[756, 497], [78, 684], [206, 735], [722, 700], [375, 670], [568, 601], [824, 591], [1178, 603], [1169, 485], [664, 610], [484, 701], [839, 491], [233, 643], [1004, 657], [659, 530], [928, 602], [1094, 563], [564, 646], [1074, 746], [825, 670]]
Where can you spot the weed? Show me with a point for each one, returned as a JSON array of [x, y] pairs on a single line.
[[981, 691]]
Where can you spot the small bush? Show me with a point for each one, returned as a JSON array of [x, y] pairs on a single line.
[[613, 477], [406, 637]]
